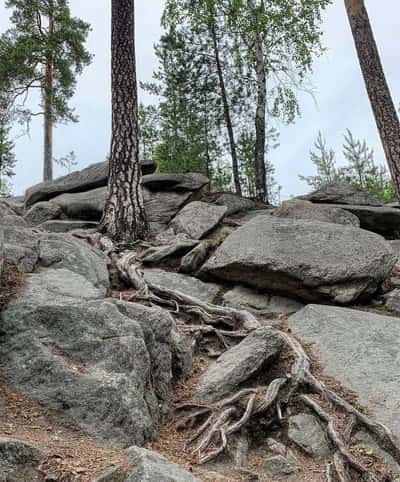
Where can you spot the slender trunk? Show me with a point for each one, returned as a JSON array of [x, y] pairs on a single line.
[[48, 114], [379, 94], [124, 217], [260, 120], [227, 113]]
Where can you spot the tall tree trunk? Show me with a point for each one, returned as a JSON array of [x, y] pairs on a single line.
[[124, 217], [382, 104], [227, 112], [48, 114]]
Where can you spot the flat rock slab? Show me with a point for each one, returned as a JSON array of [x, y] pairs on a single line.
[[89, 359], [41, 212], [239, 364], [379, 219], [307, 259], [91, 177], [197, 219], [300, 209], [342, 193], [146, 465], [191, 181], [66, 225], [186, 284], [236, 204], [360, 350], [246, 298]]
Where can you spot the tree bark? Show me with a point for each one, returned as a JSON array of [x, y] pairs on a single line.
[[124, 217], [379, 94], [259, 150], [227, 112], [48, 114]]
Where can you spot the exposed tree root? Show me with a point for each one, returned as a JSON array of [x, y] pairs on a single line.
[[218, 424]]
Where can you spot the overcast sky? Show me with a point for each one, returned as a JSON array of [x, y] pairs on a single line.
[[339, 92]]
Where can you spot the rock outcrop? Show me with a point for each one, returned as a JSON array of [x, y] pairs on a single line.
[[308, 259], [342, 193]]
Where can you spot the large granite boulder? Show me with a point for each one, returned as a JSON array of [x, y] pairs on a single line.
[[21, 247], [197, 219], [42, 212], [300, 209], [342, 193], [175, 182], [236, 204], [104, 365], [308, 259], [358, 349], [85, 206], [67, 252], [188, 285], [91, 177], [238, 364], [383, 220]]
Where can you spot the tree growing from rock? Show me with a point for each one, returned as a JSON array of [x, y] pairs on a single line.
[[43, 52], [124, 217], [382, 104]]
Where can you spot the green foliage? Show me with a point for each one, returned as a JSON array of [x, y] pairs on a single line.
[[30, 44], [360, 168], [7, 156]]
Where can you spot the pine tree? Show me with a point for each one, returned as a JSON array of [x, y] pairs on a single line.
[[7, 155], [43, 52], [124, 217]]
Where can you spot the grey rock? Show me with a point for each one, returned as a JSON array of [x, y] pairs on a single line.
[[16, 203], [342, 193], [245, 298], [308, 259], [89, 359], [307, 433], [364, 440], [382, 220], [85, 206], [76, 255], [41, 212], [18, 461], [14, 220], [236, 204], [300, 209], [162, 206], [392, 301], [66, 225], [114, 474], [197, 219], [358, 349], [395, 245], [6, 209], [21, 247], [239, 364], [91, 177], [186, 284], [148, 466], [278, 466], [279, 448], [175, 182], [196, 257]]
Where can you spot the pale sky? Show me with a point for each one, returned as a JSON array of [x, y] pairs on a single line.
[[339, 92]]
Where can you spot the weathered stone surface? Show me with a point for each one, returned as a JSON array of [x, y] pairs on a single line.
[[395, 245], [5, 209], [175, 182], [89, 359], [239, 364], [162, 206], [68, 252], [197, 219], [16, 203], [306, 431], [86, 206], [278, 466], [360, 350], [365, 442], [41, 212], [196, 257], [245, 298], [21, 247], [91, 177], [18, 461], [342, 193], [186, 284], [146, 465], [392, 301], [308, 259], [300, 209], [382, 220], [14, 220], [66, 225], [236, 204]]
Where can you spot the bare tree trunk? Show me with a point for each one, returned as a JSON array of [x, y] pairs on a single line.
[[227, 113], [124, 217], [48, 115], [377, 87]]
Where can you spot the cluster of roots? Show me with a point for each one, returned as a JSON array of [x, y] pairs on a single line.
[[214, 426]]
